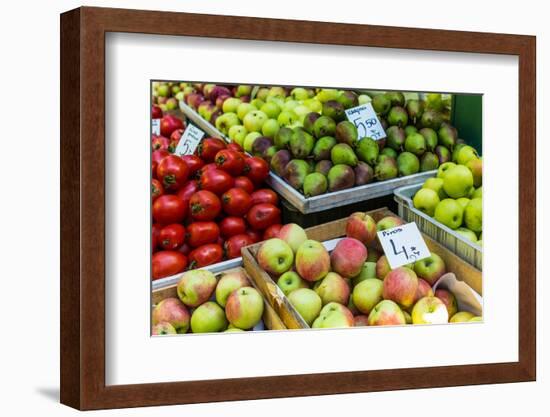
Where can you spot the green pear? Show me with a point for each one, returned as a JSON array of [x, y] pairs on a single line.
[[409, 130], [301, 143], [381, 104], [343, 154], [430, 136], [415, 143], [340, 177], [324, 126], [428, 162], [388, 152], [346, 132], [398, 116], [295, 173], [315, 184], [407, 164], [322, 148], [386, 168], [368, 150], [395, 137], [282, 138]]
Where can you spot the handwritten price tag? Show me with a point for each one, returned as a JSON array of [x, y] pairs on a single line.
[[365, 120], [155, 127], [189, 140], [403, 245]]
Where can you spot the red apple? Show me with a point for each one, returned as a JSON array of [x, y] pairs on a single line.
[[348, 257], [362, 227], [400, 285]]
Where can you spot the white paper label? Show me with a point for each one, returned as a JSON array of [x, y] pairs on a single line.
[[155, 127], [189, 140], [403, 245], [365, 120]]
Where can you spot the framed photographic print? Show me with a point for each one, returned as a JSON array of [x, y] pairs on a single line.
[[291, 208]]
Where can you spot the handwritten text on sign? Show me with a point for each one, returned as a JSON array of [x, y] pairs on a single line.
[[365, 120], [155, 127], [403, 245], [189, 140]]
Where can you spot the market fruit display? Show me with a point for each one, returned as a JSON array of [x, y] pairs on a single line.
[[208, 304], [207, 206], [454, 196], [346, 288]]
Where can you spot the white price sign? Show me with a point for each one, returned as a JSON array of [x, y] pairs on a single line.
[[365, 120], [189, 140], [403, 245], [155, 127]]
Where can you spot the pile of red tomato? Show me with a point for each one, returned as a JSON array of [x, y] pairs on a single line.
[[208, 205]]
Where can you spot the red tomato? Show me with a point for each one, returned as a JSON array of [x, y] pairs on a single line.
[[156, 112], [185, 192], [233, 245], [159, 155], [168, 262], [200, 233], [205, 255], [160, 142], [175, 139], [272, 231], [194, 163], [154, 166], [235, 147], [216, 180], [263, 215], [204, 205], [156, 189], [185, 249], [169, 123], [155, 231], [209, 147], [205, 168], [255, 235], [231, 226], [236, 202], [230, 161], [256, 169], [264, 195], [245, 184], [172, 236], [172, 171], [169, 209]]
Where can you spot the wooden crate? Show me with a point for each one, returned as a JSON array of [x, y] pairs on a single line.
[[271, 319], [333, 230]]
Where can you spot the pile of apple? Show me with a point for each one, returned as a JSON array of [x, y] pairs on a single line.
[[207, 305], [208, 205], [454, 196], [167, 95], [354, 284]]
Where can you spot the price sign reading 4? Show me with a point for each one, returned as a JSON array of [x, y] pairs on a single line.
[[155, 127], [403, 245], [189, 140], [365, 120]]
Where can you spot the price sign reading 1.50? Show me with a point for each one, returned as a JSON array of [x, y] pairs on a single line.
[[403, 245], [365, 120]]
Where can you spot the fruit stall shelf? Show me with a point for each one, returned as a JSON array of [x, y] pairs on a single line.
[[270, 318], [321, 202], [467, 250], [330, 233]]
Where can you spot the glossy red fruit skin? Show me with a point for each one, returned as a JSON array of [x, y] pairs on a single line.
[[155, 232], [216, 180], [169, 208], [156, 189], [204, 205], [263, 215], [172, 171], [156, 112], [232, 246], [236, 202], [231, 226], [194, 163], [230, 161], [201, 233], [172, 236], [205, 255], [209, 147], [235, 147], [272, 231], [159, 155], [265, 195], [160, 142], [169, 123], [175, 139], [255, 235], [185, 192], [245, 183], [166, 263], [256, 169]]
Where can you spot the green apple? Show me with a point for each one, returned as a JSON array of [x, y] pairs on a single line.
[[458, 181], [467, 233], [163, 328], [237, 134], [364, 99], [275, 256], [450, 213], [243, 90], [277, 92], [233, 329], [272, 110], [461, 317], [258, 103], [333, 288], [270, 128], [225, 121], [254, 120], [426, 200], [244, 109], [429, 310], [465, 154], [289, 105], [333, 315], [314, 105], [208, 318], [463, 201], [473, 214], [249, 140], [307, 302], [367, 271], [430, 269], [231, 105], [262, 93], [478, 193], [244, 308], [291, 281], [476, 318], [293, 234], [195, 287], [476, 166], [299, 93], [436, 184], [287, 118], [327, 94], [228, 283], [443, 168], [300, 111], [367, 294]]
